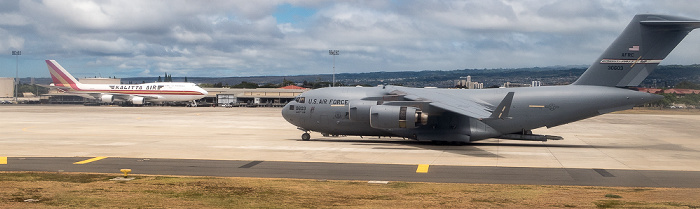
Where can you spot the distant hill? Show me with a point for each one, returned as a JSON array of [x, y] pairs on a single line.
[[405, 78], [663, 76]]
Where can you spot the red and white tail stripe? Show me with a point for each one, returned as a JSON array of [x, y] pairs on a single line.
[[60, 76]]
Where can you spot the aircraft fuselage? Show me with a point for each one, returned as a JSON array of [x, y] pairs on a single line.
[[345, 110]]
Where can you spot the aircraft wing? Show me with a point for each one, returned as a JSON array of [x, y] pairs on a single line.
[[451, 101], [60, 88]]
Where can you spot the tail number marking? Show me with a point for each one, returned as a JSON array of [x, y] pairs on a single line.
[[616, 67]]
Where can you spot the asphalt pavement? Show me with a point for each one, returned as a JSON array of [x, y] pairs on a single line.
[[609, 150]]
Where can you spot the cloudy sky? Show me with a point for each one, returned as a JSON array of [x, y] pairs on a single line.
[[292, 37]]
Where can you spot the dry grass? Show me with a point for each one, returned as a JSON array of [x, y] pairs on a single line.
[[54, 190]]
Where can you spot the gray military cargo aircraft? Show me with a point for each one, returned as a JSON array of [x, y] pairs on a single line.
[[466, 115]]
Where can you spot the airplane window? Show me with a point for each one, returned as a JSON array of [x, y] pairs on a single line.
[[301, 99]]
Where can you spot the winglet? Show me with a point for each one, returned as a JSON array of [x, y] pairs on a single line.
[[501, 112]]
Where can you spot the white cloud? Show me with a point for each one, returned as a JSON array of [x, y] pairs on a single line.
[[119, 46], [182, 35], [13, 19], [235, 38], [287, 28], [9, 41]]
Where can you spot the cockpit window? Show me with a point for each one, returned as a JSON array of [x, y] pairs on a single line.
[[300, 99]]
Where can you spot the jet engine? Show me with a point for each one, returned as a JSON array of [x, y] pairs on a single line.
[[359, 110], [107, 98], [138, 100], [388, 117]]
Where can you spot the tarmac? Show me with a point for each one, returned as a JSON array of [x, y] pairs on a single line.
[[661, 149]]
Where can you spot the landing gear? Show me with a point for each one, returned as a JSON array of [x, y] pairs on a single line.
[[305, 137]]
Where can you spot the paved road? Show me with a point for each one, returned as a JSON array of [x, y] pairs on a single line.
[[613, 149], [365, 172]]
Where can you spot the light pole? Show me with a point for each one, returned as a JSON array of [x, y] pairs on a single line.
[[333, 52], [16, 53]]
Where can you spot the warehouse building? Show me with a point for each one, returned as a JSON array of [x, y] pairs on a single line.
[[261, 97], [7, 90]]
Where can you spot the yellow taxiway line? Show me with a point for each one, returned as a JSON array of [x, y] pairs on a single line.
[[3, 160], [90, 160], [422, 168]]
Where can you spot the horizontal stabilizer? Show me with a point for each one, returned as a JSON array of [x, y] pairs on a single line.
[[682, 24]]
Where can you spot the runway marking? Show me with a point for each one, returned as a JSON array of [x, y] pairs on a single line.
[[378, 182], [3, 160], [89, 160], [422, 168], [251, 164]]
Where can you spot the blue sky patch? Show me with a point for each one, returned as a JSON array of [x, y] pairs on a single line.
[[287, 13]]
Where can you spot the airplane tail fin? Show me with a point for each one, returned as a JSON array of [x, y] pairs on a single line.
[[646, 41], [60, 76]]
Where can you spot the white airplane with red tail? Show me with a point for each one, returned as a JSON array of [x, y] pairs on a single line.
[[137, 94]]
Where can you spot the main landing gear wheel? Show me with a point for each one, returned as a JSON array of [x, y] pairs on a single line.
[[306, 136]]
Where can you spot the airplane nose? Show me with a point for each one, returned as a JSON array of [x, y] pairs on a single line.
[[290, 115], [286, 113]]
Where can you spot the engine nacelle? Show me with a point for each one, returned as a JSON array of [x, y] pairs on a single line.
[[107, 98], [359, 110], [388, 117], [138, 100]]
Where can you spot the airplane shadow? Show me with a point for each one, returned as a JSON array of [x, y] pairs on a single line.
[[470, 149], [668, 147], [393, 144], [511, 144]]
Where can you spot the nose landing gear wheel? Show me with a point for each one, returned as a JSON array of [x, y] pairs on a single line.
[[306, 136]]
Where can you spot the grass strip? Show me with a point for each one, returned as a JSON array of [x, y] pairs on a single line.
[[60, 190]]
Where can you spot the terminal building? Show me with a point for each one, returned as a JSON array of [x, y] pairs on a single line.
[[100, 80], [260, 97]]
